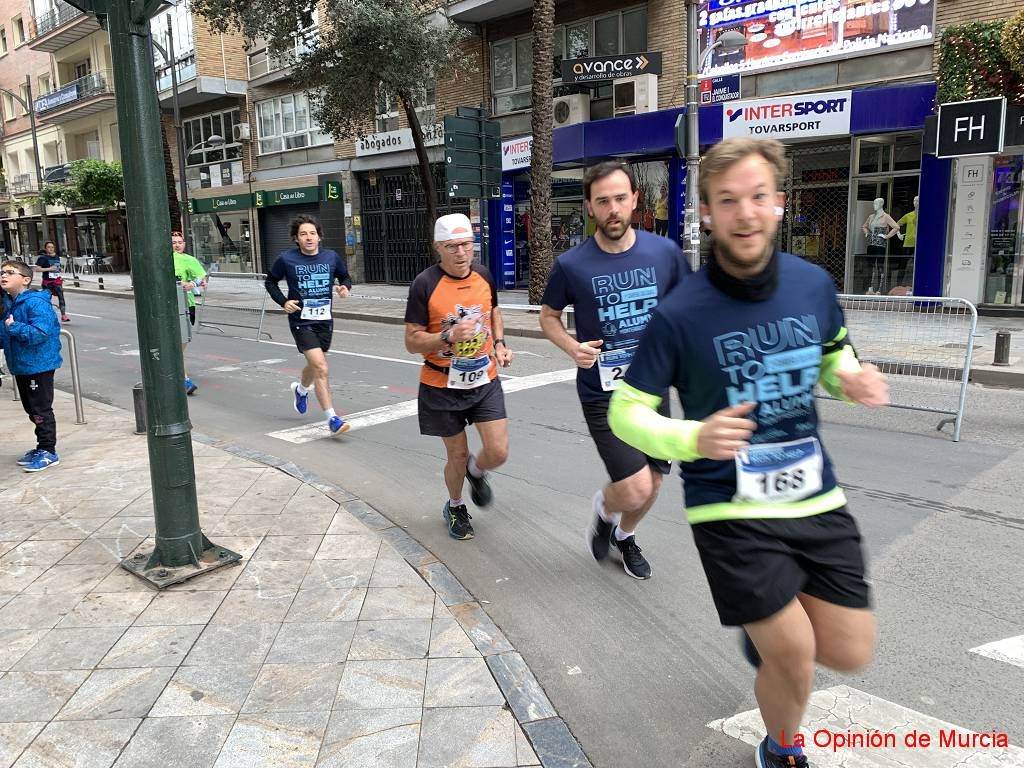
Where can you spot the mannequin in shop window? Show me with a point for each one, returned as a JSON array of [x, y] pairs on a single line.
[[908, 229], [879, 228]]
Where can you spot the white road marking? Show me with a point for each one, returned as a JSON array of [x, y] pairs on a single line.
[[385, 413], [1010, 650], [78, 314], [354, 354], [225, 369], [354, 333], [843, 712], [247, 364], [126, 353]]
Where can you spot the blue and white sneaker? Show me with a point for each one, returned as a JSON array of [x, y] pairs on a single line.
[[300, 400], [190, 386], [337, 425], [42, 460], [28, 458]]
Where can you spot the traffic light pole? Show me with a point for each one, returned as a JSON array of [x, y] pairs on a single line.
[[181, 551]]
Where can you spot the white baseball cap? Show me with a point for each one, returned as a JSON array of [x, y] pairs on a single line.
[[452, 226]]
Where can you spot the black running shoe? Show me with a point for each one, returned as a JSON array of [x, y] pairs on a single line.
[[458, 519], [765, 758], [633, 562], [598, 532], [749, 649], [479, 490]]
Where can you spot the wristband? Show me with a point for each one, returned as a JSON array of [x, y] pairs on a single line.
[[501, 341]]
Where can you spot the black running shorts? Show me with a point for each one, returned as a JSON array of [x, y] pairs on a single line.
[[192, 314], [620, 459], [313, 336], [756, 567], [445, 412]]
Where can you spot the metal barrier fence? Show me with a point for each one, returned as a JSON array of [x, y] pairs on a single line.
[[76, 380], [233, 300], [924, 346]]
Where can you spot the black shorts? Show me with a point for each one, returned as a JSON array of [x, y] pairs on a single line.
[[445, 412], [192, 314], [620, 459], [756, 567], [312, 336]]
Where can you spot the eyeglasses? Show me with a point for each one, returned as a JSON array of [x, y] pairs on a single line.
[[10, 272], [456, 247]]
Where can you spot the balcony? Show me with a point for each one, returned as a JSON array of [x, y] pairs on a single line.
[[266, 66], [80, 98], [60, 27], [5, 193], [478, 11], [23, 184], [193, 88]]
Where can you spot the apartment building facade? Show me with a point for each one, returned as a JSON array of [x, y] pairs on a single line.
[[24, 75]]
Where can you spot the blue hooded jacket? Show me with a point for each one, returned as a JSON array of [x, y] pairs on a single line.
[[32, 342]]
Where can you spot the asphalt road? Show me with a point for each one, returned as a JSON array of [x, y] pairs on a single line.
[[638, 670]]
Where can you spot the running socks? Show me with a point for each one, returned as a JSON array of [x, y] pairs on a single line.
[[621, 535], [474, 470], [329, 412], [301, 389], [453, 503], [778, 749]]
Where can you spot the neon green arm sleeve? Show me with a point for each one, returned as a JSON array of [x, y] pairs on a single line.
[[634, 418], [843, 359]]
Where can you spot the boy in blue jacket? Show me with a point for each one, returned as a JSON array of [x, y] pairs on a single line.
[[31, 341]]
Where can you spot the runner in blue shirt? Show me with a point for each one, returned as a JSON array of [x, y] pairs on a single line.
[[613, 280], [744, 342], [311, 273]]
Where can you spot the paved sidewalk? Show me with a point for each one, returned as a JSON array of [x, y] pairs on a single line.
[[338, 640]]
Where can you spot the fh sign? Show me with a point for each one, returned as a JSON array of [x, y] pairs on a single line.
[[971, 127]]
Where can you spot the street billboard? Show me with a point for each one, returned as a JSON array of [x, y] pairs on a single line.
[[787, 33]]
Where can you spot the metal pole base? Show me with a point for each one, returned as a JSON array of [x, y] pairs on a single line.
[[149, 566]]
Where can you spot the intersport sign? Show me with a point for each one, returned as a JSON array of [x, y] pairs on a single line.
[[789, 117]]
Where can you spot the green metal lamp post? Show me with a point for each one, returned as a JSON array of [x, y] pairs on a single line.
[[181, 551]]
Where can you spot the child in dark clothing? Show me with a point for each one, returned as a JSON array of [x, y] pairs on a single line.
[[30, 335]]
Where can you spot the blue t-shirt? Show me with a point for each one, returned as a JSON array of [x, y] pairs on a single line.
[[310, 279], [53, 264], [613, 295], [718, 351]]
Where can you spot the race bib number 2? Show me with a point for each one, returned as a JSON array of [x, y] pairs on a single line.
[[779, 472], [612, 366], [316, 309], [468, 372]]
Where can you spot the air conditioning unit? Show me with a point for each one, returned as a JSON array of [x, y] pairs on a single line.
[[240, 132], [632, 95], [574, 108]]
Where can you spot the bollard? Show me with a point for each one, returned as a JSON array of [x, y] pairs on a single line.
[[101, 282], [1002, 348], [139, 401]]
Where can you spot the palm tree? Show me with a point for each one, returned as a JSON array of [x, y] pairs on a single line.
[[541, 256]]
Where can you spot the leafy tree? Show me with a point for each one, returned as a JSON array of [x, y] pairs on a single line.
[[541, 253], [363, 50], [94, 183]]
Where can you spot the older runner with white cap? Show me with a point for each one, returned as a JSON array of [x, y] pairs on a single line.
[[452, 319]]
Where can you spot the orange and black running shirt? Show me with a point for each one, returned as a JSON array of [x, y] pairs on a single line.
[[438, 301]]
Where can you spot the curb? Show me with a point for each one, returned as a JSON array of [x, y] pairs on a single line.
[[548, 734]]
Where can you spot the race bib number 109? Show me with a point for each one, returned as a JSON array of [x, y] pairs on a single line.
[[469, 372]]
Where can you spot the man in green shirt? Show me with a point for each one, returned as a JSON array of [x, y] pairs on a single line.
[[190, 274]]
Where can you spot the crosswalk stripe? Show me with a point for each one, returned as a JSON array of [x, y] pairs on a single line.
[[1010, 650], [887, 731], [385, 413]]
